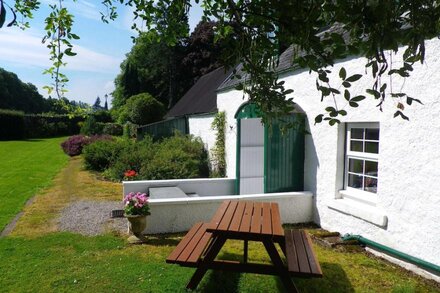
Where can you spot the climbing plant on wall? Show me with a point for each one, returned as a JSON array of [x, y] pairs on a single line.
[[218, 151]]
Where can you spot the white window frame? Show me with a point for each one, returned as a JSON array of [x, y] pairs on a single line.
[[362, 195]]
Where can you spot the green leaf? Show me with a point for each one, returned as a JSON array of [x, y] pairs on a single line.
[[353, 104], [347, 95], [375, 93], [330, 109], [342, 112], [399, 113], [346, 84], [318, 119], [342, 73], [354, 77], [357, 98]]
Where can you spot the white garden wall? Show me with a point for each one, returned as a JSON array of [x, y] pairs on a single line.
[[180, 214], [406, 216]]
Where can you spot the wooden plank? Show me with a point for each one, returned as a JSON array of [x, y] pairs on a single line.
[[235, 225], [191, 246], [277, 229], [301, 252], [200, 248], [245, 225], [313, 260], [291, 255], [219, 215], [183, 243], [267, 219], [227, 218], [256, 217]]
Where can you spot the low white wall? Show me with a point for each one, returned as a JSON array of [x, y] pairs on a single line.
[[202, 186], [177, 215]]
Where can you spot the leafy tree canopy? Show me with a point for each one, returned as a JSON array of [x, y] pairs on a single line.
[[366, 28]]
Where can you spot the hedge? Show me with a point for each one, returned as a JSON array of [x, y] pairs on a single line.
[[43, 125], [12, 124]]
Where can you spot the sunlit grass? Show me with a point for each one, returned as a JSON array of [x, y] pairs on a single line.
[[26, 167]]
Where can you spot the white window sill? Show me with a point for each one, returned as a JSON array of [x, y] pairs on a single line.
[[361, 196], [359, 209]]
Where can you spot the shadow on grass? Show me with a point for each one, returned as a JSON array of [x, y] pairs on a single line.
[[220, 281], [334, 280], [164, 239]]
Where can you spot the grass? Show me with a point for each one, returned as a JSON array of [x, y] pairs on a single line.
[[38, 258], [26, 167]]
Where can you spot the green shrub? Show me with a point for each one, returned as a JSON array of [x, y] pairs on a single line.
[[99, 156], [11, 124], [142, 109], [103, 116], [131, 156], [177, 157], [91, 126], [130, 130], [113, 129]]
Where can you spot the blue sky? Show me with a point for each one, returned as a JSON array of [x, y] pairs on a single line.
[[100, 50]]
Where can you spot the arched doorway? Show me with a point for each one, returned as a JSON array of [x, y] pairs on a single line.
[[267, 160]]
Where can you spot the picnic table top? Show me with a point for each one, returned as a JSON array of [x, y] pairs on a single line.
[[247, 217]]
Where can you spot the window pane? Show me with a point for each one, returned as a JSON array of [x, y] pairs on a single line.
[[372, 147], [370, 184], [355, 181], [371, 168], [356, 146], [357, 133], [372, 133], [356, 166]]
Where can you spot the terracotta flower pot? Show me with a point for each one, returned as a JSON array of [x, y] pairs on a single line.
[[137, 224]]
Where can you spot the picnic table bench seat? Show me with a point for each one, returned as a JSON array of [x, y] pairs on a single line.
[[300, 257], [190, 249]]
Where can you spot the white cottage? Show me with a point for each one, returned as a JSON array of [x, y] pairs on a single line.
[[373, 175]]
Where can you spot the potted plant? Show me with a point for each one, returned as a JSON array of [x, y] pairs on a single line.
[[136, 210]]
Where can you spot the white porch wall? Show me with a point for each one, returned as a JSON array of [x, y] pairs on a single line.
[[200, 125], [409, 159]]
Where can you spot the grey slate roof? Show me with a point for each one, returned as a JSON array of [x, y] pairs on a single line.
[[285, 61], [202, 96]]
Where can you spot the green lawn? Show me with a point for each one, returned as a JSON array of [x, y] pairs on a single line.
[[64, 262], [26, 166]]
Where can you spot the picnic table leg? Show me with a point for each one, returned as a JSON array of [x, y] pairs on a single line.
[[278, 263], [245, 252], [213, 250]]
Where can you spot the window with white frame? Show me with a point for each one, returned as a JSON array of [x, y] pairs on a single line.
[[362, 158]]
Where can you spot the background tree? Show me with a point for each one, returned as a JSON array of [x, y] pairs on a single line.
[[142, 109], [97, 104]]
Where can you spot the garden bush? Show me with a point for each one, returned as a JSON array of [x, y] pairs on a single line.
[[11, 124], [113, 129], [98, 156], [142, 109], [131, 156], [92, 127], [177, 157], [73, 145]]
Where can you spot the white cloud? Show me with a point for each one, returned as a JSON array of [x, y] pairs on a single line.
[[26, 49], [86, 90]]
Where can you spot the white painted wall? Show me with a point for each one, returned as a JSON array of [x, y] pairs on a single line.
[[409, 159], [200, 125]]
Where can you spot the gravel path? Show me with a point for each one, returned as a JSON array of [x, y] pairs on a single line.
[[92, 218]]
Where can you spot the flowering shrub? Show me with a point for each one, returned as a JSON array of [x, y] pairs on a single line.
[[130, 175], [73, 145], [136, 204]]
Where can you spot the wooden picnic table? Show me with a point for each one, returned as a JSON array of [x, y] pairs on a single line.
[[247, 221]]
